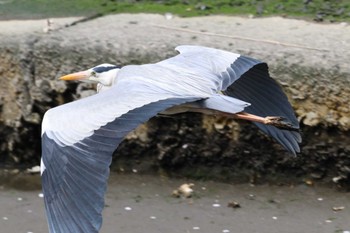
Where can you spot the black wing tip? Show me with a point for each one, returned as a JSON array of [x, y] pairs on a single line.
[[295, 153], [290, 140]]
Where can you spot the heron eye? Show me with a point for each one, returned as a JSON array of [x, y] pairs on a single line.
[[93, 73]]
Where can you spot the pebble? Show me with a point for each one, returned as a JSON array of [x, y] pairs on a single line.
[[225, 231], [128, 208], [338, 208], [234, 204], [196, 228], [19, 199], [184, 146], [274, 218], [33, 170], [251, 196], [216, 205], [311, 119], [5, 218], [153, 217], [184, 190], [41, 195]]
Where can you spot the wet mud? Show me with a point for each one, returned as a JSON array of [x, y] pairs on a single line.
[[139, 203]]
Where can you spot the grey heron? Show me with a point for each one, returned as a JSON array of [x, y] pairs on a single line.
[[79, 138]]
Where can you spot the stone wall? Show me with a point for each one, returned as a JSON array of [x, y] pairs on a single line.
[[310, 62]]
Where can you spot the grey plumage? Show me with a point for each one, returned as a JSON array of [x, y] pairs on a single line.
[[78, 138]]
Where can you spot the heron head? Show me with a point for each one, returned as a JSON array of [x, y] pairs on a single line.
[[103, 74]]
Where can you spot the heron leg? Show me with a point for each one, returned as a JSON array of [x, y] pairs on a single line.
[[276, 121]]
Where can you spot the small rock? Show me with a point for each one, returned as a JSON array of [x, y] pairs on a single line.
[[251, 197], [34, 170], [311, 119], [309, 182], [344, 121], [234, 204], [127, 208], [273, 201], [184, 190], [338, 208]]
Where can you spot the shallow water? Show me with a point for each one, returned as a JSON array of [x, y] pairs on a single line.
[[144, 204]]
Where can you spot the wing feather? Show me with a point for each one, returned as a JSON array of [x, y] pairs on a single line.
[[246, 79], [75, 178], [267, 99]]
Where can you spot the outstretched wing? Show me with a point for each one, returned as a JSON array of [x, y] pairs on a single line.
[[246, 79], [78, 140], [266, 98]]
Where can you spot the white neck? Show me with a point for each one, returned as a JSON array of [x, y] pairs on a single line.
[[106, 80], [102, 88]]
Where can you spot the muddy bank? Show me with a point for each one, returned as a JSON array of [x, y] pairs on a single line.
[[310, 62], [144, 203]]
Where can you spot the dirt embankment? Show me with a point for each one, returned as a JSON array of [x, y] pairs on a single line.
[[309, 60]]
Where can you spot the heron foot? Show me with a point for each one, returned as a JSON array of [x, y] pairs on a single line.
[[279, 122]]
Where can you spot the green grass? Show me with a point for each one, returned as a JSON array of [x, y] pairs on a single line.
[[320, 10], [32, 9]]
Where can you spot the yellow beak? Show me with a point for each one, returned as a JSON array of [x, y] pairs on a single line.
[[76, 76]]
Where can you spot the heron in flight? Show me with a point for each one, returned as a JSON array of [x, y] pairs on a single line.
[[79, 138]]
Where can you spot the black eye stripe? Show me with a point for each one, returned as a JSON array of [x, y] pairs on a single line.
[[102, 69]]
